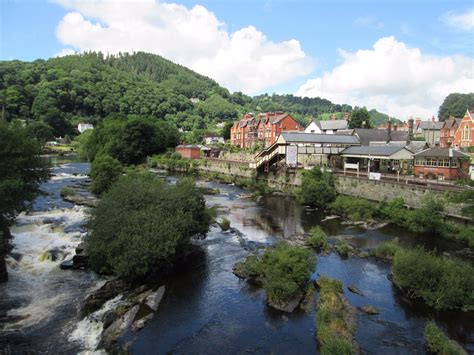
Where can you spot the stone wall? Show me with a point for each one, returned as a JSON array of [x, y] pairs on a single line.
[[226, 167]]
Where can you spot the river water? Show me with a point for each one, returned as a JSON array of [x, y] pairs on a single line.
[[206, 309]]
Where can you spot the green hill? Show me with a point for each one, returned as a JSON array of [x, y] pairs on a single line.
[[89, 87]]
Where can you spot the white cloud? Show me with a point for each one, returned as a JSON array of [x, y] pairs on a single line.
[[65, 51], [369, 22], [462, 21], [243, 60], [394, 79]]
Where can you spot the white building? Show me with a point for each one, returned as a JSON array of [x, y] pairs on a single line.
[[82, 127], [327, 127], [213, 140]]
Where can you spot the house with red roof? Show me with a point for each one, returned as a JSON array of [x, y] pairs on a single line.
[[262, 128], [447, 132]]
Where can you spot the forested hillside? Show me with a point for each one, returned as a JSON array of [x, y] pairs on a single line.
[[456, 105], [89, 87]]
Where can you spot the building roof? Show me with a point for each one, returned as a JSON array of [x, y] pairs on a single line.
[[332, 124], [431, 126], [441, 153], [301, 137], [368, 135], [375, 151], [189, 146]]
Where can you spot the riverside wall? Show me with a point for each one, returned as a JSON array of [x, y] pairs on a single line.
[[373, 190]]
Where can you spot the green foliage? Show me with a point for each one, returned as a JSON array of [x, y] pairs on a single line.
[[21, 170], [105, 170], [333, 331], [317, 238], [438, 343], [317, 188], [226, 130], [141, 223], [41, 131], [354, 208], [67, 191], [386, 250], [455, 105], [343, 248], [393, 210], [442, 283], [360, 118], [131, 140], [251, 267], [287, 269], [224, 224]]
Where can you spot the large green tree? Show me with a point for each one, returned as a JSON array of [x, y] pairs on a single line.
[[456, 105], [141, 223], [360, 118]]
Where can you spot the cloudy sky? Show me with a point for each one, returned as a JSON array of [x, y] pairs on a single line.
[[400, 57]]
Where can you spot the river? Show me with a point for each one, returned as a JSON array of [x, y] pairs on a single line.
[[206, 309]]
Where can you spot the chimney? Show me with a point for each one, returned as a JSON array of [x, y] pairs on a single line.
[[433, 119], [395, 127], [389, 130], [410, 131], [346, 116], [333, 117]]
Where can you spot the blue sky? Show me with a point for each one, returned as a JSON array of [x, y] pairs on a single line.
[[246, 45]]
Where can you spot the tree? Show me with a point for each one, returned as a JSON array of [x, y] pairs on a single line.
[[226, 130], [142, 223], [455, 105], [317, 188], [104, 172], [41, 131], [360, 118]]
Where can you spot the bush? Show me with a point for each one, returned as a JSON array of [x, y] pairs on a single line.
[[66, 191], [343, 248], [224, 224], [438, 343], [386, 250], [334, 332], [393, 211], [466, 234], [251, 267], [286, 270], [141, 223], [442, 283], [104, 172], [317, 238], [354, 208], [317, 188]]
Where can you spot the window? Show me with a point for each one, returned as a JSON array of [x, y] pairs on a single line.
[[466, 136]]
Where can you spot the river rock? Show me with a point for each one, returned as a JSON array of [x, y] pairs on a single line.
[[89, 201], [355, 290], [369, 309], [118, 327], [97, 298], [108, 318], [289, 306], [80, 261], [154, 299], [81, 248], [67, 265], [328, 218], [139, 324]]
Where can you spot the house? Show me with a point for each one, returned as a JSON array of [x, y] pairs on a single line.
[[464, 136], [379, 159], [82, 127], [263, 128], [329, 127], [441, 163], [447, 132], [300, 149], [189, 151], [430, 130]]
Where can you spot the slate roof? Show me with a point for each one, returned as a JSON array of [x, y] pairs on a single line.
[[430, 126], [300, 137], [367, 135], [440, 152], [379, 151], [332, 124]]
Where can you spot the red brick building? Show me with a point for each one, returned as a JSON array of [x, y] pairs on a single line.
[[189, 151], [464, 136], [441, 163], [447, 132], [263, 128]]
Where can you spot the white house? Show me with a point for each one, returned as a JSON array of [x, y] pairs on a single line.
[[213, 140], [313, 127], [327, 127], [82, 127]]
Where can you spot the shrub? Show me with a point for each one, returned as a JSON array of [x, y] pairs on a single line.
[[286, 269], [66, 191], [343, 248], [141, 223], [334, 332], [317, 238], [104, 172], [386, 250], [442, 283], [224, 224], [393, 211], [354, 208], [438, 343], [317, 188], [251, 267], [466, 234]]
